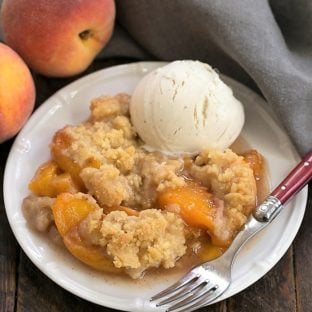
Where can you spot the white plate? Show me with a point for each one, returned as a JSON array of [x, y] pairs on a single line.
[[70, 106]]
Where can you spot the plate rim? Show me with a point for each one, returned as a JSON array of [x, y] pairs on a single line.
[[80, 81]]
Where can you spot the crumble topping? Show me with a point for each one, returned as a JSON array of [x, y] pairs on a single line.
[[106, 161], [135, 243]]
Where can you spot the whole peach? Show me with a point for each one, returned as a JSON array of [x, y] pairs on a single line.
[[17, 92], [57, 38]]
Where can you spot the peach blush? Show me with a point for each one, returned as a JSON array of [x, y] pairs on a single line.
[[17, 93], [58, 38]]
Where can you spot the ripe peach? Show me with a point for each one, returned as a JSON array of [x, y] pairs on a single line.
[[17, 92], [60, 37]]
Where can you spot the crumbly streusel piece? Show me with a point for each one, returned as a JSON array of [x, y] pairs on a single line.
[[38, 213], [111, 163], [107, 185], [106, 106], [108, 137], [160, 171], [139, 189], [103, 143], [231, 180], [157, 173], [136, 243]]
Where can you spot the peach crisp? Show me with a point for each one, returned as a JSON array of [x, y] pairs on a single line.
[[121, 209]]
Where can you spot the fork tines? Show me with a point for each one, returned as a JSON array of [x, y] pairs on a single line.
[[189, 292]]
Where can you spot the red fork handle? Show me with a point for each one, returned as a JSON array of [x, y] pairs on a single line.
[[295, 180]]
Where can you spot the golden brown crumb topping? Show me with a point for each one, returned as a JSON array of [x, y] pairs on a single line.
[[116, 185], [114, 168], [151, 239]]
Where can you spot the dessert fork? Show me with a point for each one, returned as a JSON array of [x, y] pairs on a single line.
[[206, 282]]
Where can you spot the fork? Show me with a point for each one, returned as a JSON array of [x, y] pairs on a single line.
[[206, 282]]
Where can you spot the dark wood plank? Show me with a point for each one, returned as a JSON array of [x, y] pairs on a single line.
[[218, 307], [37, 293], [275, 292], [303, 260], [8, 248]]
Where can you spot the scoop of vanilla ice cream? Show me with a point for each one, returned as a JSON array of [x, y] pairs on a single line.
[[184, 107]]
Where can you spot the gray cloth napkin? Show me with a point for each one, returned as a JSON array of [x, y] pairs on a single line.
[[264, 44]]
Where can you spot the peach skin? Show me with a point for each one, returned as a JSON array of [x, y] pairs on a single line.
[[58, 38], [17, 93]]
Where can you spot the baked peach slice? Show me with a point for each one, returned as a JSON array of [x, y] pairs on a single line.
[[59, 151], [256, 162], [92, 256], [194, 203], [197, 208], [69, 211], [50, 180], [59, 145]]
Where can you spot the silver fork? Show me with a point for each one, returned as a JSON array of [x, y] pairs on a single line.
[[206, 282]]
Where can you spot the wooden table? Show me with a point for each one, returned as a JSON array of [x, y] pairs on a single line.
[[287, 287]]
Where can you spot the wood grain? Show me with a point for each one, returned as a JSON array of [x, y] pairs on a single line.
[[303, 260], [8, 248], [37, 293]]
